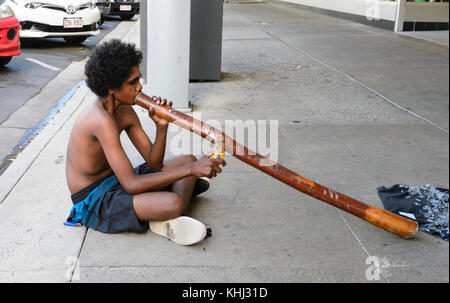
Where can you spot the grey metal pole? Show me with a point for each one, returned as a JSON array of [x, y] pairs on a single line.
[[400, 16], [143, 37]]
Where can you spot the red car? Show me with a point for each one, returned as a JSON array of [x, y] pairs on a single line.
[[9, 34]]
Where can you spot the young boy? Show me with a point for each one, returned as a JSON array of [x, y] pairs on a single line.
[[108, 194]]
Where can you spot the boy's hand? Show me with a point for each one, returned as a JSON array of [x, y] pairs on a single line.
[[151, 113], [207, 167]]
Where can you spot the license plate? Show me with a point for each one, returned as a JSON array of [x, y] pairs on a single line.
[[73, 22], [125, 7]]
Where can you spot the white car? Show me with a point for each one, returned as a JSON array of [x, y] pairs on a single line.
[[126, 9], [74, 20]]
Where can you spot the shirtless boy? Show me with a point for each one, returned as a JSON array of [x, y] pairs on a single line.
[[108, 194]]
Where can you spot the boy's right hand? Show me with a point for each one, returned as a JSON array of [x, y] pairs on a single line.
[[207, 166]]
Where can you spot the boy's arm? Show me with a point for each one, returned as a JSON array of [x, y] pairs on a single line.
[[108, 135], [153, 153], [159, 147]]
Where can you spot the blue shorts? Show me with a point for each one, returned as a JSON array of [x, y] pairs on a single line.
[[110, 210]]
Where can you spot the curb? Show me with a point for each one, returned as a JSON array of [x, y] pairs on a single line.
[[12, 175]]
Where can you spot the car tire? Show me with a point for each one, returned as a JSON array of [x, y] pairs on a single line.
[[127, 16], [5, 60], [75, 39]]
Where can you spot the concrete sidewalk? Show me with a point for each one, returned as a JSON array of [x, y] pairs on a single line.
[[357, 108]]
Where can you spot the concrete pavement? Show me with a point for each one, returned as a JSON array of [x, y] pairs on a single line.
[[356, 108]]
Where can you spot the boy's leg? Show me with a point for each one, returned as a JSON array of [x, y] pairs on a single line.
[[163, 211], [159, 206], [184, 187]]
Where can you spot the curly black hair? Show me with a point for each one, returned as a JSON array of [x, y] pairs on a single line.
[[110, 65]]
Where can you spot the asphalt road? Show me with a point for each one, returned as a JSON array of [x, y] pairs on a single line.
[[41, 60]]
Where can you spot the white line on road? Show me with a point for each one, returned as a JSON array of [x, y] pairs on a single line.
[[43, 64]]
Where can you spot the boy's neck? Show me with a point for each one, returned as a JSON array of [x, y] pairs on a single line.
[[111, 105]]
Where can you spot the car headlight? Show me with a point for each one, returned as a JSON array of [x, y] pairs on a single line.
[[5, 11], [28, 4], [33, 5], [89, 4]]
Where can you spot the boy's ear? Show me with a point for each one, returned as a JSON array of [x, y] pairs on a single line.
[[111, 91]]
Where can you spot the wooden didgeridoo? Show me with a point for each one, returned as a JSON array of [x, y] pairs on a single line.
[[384, 219]]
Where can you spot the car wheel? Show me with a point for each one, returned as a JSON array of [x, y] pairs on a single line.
[[5, 60], [127, 17], [75, 39]]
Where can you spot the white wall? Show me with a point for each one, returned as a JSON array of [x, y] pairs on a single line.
[[385, 10], [398, 11]]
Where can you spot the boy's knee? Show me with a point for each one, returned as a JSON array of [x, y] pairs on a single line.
[[175, 206]]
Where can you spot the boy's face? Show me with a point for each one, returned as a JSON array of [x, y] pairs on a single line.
[[130, 88]]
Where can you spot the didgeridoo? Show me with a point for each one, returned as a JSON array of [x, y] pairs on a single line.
[[384, 219]]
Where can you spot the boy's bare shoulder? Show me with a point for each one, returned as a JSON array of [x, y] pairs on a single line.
[[95, 119], [127, 116], [97, 115], [129, 111], [92, 119]]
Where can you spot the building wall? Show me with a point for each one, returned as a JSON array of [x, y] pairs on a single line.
[[427, 12], [374, 13], [385, 9]]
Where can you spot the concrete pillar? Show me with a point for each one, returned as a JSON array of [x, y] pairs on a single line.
[[143, 40], [401, 13], [167, 51]]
